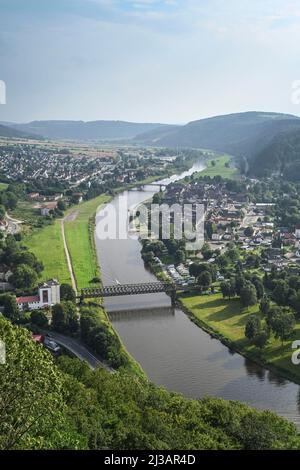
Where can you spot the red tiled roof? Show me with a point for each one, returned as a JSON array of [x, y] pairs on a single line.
[[38, 338], [26, 300], [50, 205]]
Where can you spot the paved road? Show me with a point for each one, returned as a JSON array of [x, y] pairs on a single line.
[[78, 349]]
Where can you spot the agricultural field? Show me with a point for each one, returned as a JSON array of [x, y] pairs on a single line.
[[227, 318]]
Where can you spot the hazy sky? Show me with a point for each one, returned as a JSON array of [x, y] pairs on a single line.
[[147, 60]]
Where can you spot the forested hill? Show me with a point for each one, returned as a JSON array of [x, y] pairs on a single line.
[[281, 155], [9, 132], [65, 405], [241, 134], [81, 130]]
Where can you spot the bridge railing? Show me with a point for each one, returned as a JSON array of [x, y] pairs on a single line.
[[128, 289]]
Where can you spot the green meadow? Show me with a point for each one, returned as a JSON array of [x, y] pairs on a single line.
[[79, 233], [219, 168], [47, 245]]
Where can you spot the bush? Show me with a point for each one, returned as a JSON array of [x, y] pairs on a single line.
[[96, 334], [39, 318]]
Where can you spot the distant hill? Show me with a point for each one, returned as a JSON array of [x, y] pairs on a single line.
[[6, 131], [242, 134], [156, 135], [93, 130]]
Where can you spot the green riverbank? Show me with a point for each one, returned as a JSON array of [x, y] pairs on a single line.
[[225, 320]]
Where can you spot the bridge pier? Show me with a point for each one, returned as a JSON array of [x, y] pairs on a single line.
[[173, 298]]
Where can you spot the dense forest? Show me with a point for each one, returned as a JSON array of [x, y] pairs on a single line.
[[64, 405], [281, 155]]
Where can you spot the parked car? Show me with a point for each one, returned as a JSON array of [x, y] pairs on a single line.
[[52, 346]]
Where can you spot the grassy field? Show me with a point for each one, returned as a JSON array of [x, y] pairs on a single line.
[[219, 169], [227, 318], [26, 212], [79, 232], [47, 245]]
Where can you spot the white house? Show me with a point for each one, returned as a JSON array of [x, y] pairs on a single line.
[[48, 295]]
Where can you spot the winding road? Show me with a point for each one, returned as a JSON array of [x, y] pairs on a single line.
[[78, 349]]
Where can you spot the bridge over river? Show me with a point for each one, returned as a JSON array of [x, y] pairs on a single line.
[[133, 289], [144, 186]]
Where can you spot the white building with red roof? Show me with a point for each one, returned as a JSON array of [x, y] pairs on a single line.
[[48, 295]]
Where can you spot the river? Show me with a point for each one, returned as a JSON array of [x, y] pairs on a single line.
[[172, 350]]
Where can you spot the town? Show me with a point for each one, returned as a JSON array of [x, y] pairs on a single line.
[[234, 218], [40, 180]]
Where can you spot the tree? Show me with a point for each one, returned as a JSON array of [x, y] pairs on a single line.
[[253, 327], [248, 295], [148, 257], [32, 408], [195, 269], [248, 231], [39, 318], [280, 292], [204, 279], [72, 317], [206, 251], [24, 277], [259, 287], [283, 324], [67, 292], [11, 310], [295, 303], [261, 339], [223, 261], [26, 257], [240, 281], [180, 256], [228, 288], [2, 212], [233, 254], [264, 306], [59, 318], [9, 200], [253, 261], [61, 205], [65, 317]]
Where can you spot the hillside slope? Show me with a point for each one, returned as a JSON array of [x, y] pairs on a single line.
[[65, 405], [282, 155], [9, 132], [93, 130], [242, 134]]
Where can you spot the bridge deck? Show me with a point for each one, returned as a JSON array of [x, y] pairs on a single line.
[[128, 289]]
